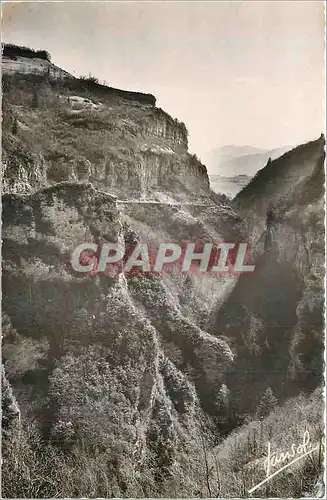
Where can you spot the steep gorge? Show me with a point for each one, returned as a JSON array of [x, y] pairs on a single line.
[[275, 317]]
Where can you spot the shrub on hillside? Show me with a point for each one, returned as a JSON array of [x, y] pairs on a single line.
[[12, 51], [90, 78], [267, 403]]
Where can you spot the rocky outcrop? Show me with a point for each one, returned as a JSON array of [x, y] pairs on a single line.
[[24, 61], [121, 146], [162, 125], [35, 66]]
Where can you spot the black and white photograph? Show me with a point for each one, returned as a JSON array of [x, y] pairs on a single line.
[[163, 249]]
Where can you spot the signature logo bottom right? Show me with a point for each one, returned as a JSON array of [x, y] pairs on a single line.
[[295, 453]]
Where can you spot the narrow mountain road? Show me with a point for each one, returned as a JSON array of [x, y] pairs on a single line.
[[165, 203]]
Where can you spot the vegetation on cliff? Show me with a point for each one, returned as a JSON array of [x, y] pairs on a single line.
[[150, 386], [12, 51]]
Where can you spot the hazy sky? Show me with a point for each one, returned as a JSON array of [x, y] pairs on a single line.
[[234, 72]]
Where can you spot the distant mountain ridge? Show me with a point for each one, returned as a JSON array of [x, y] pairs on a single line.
[[230, 161]]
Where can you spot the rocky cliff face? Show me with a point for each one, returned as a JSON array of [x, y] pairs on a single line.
[[125, 354], [276, 315], [118, 141], [35, 66], [113, 362]]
